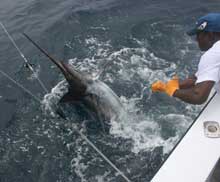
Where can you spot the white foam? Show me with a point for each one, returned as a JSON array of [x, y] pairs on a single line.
[[100, 49], [51, 99], [76, 164], [145, 132], [102, 178]]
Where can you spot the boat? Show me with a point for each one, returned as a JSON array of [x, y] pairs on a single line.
[[196, 157]]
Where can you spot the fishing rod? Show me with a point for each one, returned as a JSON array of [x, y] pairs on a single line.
[[28, 65]]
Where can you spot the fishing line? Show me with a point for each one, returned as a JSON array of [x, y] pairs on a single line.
[[62, 115], [19, 85], [25, 59]]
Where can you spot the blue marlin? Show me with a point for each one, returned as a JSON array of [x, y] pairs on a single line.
[[94, 94]]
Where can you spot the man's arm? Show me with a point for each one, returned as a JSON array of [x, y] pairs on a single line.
[[197, 94], [188, 83]]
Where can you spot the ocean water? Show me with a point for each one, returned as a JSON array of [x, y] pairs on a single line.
[[143, 40]]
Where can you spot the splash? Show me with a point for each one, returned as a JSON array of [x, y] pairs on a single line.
[[51, 99], [145, 131]]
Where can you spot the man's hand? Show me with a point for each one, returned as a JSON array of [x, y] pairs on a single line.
[[169, 88], [158, 86], [188, 82]]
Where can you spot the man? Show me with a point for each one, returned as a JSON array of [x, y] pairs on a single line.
[[195, 90]]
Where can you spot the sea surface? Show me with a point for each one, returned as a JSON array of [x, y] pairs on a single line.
[[142, 40]]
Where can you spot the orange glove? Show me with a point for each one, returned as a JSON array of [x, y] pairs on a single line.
[[169, 88], [158, 86]]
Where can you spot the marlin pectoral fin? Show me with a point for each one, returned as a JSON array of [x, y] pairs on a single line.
[[69, 97]]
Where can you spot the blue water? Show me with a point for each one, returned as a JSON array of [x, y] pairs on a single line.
[[143, 40]]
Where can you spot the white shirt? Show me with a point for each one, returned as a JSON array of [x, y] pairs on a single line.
[[209, 66]]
